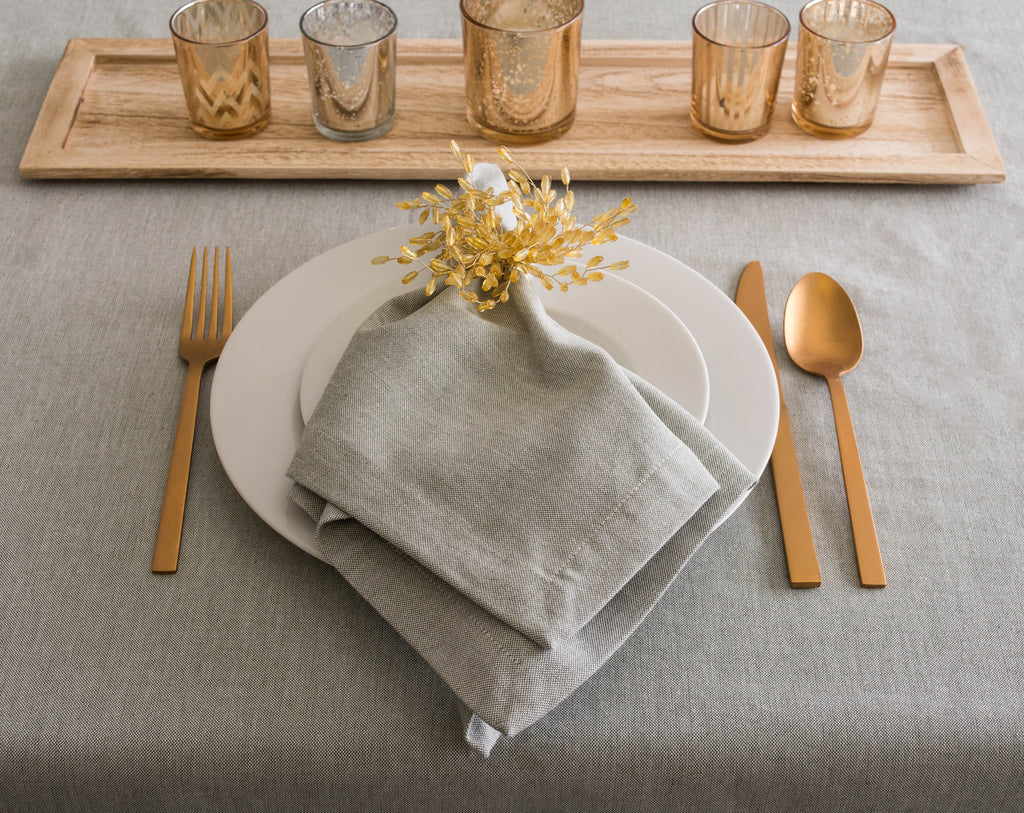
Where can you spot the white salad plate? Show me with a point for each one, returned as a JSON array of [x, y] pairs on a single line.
[[634, 328]]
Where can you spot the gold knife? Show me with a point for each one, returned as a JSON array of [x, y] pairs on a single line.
[[796, 525]]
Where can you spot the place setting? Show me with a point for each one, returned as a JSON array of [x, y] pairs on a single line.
[[704, 353], [523, 422], [507, 425], [469, 405]]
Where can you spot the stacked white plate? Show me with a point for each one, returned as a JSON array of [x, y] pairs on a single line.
[[666, 323]]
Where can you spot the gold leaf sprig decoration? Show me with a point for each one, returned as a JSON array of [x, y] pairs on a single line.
[[471, 251]]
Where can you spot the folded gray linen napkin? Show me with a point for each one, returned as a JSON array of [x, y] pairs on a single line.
[[506, 495], [511, 458]]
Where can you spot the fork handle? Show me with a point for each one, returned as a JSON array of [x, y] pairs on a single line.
[[168, 535]]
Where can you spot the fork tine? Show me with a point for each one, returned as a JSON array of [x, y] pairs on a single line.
[[228, 297], [201, 322], [214, 302], [186, 319]]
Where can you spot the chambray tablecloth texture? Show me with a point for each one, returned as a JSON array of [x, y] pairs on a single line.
[[257, 679]]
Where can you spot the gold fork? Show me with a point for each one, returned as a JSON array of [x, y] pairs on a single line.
[[198, 350]]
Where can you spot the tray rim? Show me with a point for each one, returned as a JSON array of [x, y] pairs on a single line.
[[47, 157]]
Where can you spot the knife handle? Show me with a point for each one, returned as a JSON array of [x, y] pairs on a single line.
[[796, 525]]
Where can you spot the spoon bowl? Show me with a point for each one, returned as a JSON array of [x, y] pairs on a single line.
[[824, 337], [823, 332]]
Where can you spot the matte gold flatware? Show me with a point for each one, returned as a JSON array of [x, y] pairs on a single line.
[[199, 345], [823, 336], [789, 491]]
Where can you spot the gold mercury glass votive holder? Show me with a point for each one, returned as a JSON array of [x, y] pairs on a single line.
[[738, 49], [221, 46], [842, 52], [521, 61], [349, 47]]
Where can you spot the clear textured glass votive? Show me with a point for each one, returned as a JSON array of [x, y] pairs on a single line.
[[841, 57], [738, 48], [522, 67], [221, 46], [350, 58]]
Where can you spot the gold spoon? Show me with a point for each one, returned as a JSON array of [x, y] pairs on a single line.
[[823, 336]]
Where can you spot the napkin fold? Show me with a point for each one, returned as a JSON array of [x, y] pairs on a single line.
[[505, 494], [506, 456]]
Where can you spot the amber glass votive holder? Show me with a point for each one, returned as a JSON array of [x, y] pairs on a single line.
[[349, 47], [221, 46], [521, 61], [738, 49], [842, 53]]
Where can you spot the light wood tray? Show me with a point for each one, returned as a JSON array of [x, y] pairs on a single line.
[[115, 109]]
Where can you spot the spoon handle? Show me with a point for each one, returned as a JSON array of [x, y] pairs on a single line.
[[869, 556]]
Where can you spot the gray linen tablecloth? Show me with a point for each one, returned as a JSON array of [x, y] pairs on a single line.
[[256, 679]]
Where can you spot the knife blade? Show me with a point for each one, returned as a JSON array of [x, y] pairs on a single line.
[[796, 526]]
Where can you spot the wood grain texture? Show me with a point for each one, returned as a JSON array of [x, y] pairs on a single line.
[[115, 110]]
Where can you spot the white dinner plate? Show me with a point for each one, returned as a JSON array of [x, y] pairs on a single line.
[[637, 330], [254, 404]]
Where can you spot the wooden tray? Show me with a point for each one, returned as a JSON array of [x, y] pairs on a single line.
[[115, 110]]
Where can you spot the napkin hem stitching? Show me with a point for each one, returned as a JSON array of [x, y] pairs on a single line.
[[573, 556], [449, 594]]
